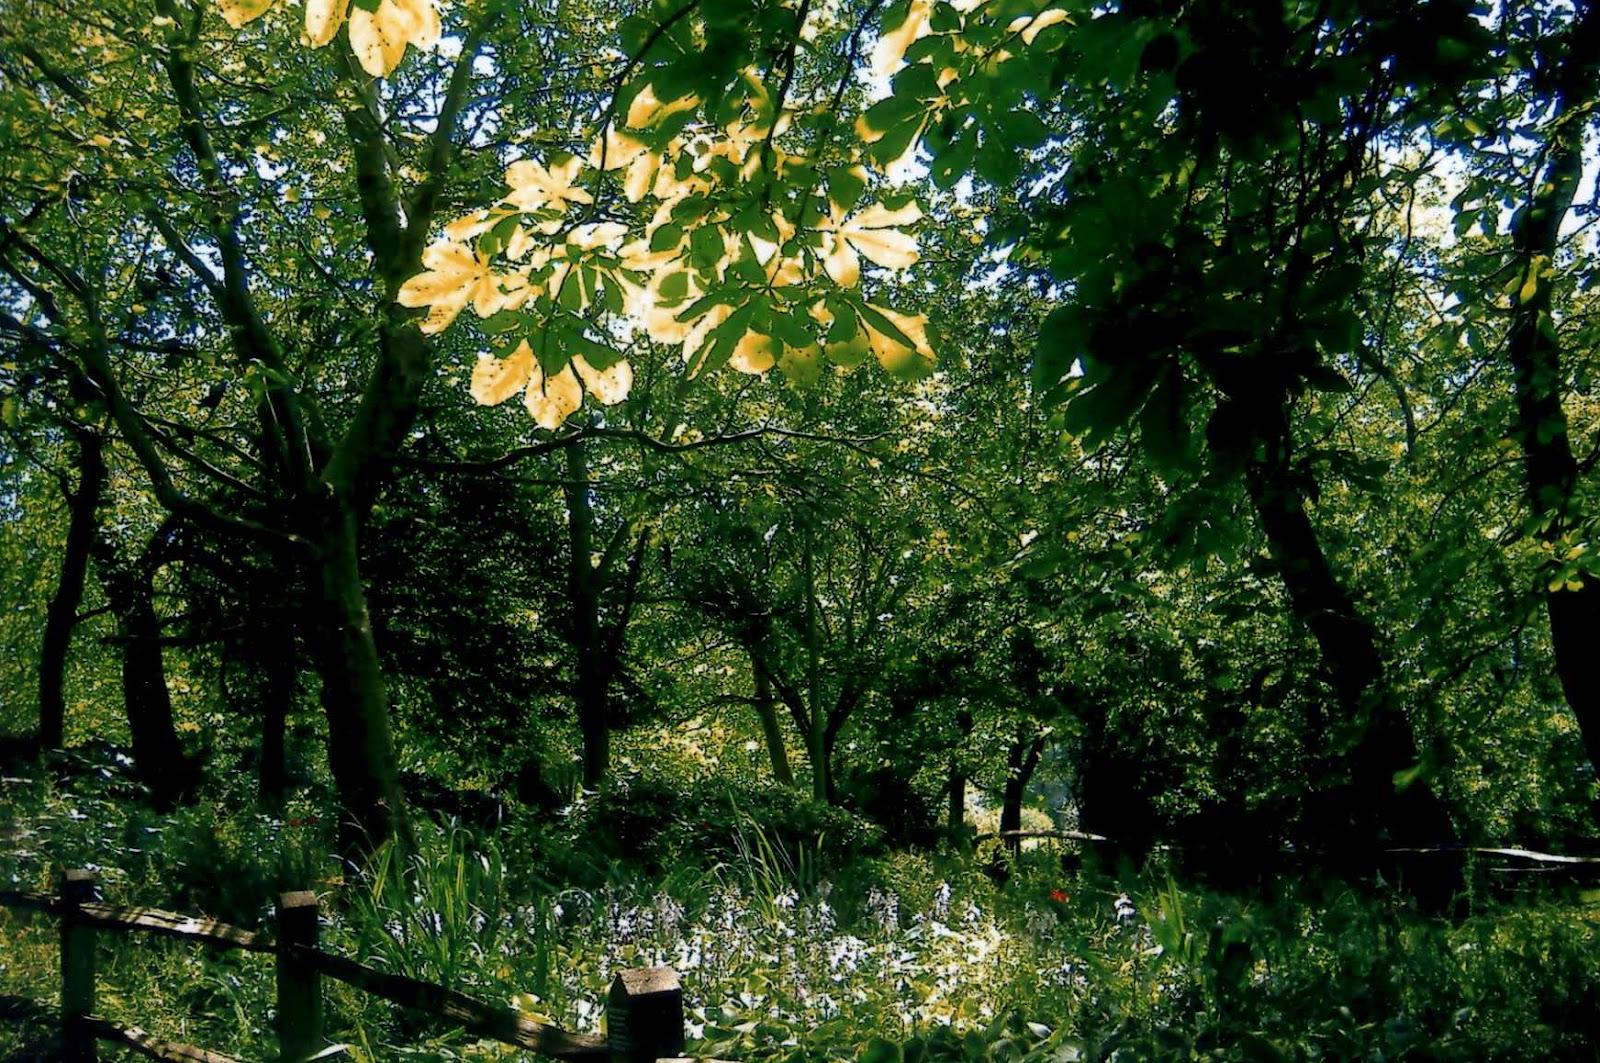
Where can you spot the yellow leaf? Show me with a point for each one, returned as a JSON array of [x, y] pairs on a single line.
[[610, 385], [879, 216], [551, 400], [323, 19], [872, 233], [533, 187], [890, 50], [379, 38], [615, 150], [467, 226], [647, 109], [455, 276], [238, 12], [885, 247], [494, 380], [753, 354], [901, 361], [641, 174], [1032, 25], [842, 264]]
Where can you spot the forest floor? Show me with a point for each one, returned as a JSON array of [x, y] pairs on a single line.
[[793, 954]]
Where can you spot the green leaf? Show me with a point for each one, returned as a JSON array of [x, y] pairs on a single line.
[[1062, 338], [674, 287], [879, 1050], [845, 185], [1163, 426], [705, 247], [501, 321], [894, 143], [1327, 378], [495, 240], [890, 113], [1100, 411], [666, 237]]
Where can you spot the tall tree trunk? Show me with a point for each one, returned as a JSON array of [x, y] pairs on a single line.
[[158, 757], [817, 745], [1371, 806], [361, 750], [1022, 760], [593, 673], [61, 616], [956, 786], [767, 712], [1551, 471], [955, 812], [277, 675]]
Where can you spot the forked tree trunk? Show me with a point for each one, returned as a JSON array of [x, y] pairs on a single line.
[[61, 616], [1022, 760]]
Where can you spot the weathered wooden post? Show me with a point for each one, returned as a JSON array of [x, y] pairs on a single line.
[[299, 985], [77, 968], [644, 1016]]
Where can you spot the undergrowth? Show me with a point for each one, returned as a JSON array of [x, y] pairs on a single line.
[[792, 952]]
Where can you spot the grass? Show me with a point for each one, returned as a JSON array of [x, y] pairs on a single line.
[[795, 957]]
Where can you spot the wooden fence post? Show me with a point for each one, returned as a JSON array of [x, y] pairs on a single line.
[[644, 1016], [77, 968], [299, 985]]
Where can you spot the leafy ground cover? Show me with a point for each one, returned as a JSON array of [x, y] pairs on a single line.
[[807, 955]]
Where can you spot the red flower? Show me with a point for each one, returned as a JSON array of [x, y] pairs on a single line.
[[1059, 896]]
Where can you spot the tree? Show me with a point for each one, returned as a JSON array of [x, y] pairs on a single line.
[[192, 184], [1543, 180]]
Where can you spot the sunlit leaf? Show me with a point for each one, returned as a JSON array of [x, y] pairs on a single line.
[[323, 19], [802, 365], [379, 37], [899, 342], [494, 380], [533, 187], [552, 399], [890, 50], [238, 12], [753, 353], [609, 386]]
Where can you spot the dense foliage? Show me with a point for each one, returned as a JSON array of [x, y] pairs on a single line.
[[1166, 421]]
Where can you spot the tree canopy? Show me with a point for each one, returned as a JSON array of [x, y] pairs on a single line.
[[1190, 401]]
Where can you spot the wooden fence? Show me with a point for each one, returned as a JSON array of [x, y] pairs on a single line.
[[644, 1008]]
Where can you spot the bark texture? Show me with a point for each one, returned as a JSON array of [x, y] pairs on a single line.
[[61, 616]]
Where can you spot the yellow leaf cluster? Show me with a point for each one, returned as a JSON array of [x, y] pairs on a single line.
[[666, 268], [378, 38], [550, 398]]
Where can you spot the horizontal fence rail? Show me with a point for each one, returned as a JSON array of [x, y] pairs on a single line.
[[644, 1008], [473, 1015]]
